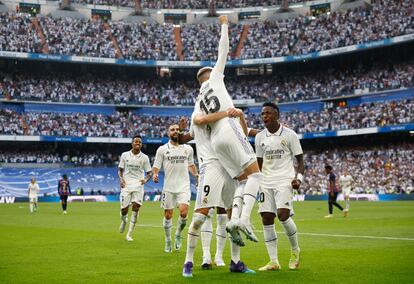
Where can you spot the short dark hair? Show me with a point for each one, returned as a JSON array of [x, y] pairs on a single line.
[[272, 105], [328, 167], [65, 176], [136, 136]]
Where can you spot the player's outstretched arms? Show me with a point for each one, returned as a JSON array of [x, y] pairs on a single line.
[[224, 45]]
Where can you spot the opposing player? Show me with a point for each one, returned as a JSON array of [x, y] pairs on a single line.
[[176, 160], [276, 148], [133, 165], [227, 138], [215, 189], [33, 191], [333, 191], [64, 192], [346, 183]]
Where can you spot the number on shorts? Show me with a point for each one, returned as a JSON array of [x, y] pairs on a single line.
[[206, 189], [261, 197]]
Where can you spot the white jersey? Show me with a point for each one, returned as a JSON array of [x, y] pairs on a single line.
[[175, 161], [277, 150], [346, 182], [135, 167], [33, 190], [201, 135], [213, 95]]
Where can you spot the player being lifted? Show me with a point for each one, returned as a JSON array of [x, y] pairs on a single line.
[[227, 138], [346, 182], [276, 148], [176, 160], [215, 189], [33, 191], [133, 165]]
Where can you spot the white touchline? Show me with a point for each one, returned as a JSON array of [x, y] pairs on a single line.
[[319, 234]]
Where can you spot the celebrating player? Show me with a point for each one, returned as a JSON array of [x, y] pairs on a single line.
[[176, 160], [64, 192], [215, 189], [333, 191], [227, 138], [132, 167], [346, 182], [33, 191], [276, 148]]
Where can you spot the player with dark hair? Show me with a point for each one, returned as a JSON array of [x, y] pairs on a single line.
[[133, 165], [333, 190], [276, 148], [64, 192]]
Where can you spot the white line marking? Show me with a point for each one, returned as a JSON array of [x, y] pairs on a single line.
[[318, 234]]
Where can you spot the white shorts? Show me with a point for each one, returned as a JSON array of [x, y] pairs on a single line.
[[128, 197], [346, 191], [271, 199], [233, 148], [171, 200], [33, 199], [216, 188]]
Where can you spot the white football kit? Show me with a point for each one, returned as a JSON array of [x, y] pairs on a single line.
[[216, 187], [33, 192], [135, 167], [278, 151], [346, 184], [227, 138], [175, 161]]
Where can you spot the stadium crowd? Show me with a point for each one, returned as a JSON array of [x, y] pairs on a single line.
[[124, 124], [279, 88], [341, 118], [296, 36], [384, 170]]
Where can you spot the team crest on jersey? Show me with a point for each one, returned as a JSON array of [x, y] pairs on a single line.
[[205, 200], [168, 152], [283, 142]]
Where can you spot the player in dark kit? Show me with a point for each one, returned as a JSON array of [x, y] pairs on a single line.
[[64, 191], [333, 191]]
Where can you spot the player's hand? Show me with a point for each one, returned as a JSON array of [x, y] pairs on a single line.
[[296, 184], [155, 178], [183, 123], [143, 181], [123, 183], [234, 112], [223, 20]]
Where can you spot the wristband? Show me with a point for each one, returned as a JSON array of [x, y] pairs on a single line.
[[299, 177]]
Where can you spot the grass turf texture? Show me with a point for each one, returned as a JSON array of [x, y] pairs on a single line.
[[85, 246]]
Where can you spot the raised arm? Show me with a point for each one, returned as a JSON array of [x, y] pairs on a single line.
[[224, 45]]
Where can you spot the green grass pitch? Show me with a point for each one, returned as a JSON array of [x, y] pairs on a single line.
[[85, 246]]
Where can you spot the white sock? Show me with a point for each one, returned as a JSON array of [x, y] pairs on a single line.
[[206, 234], [193, 234], [249, 195], [31, 207], [238, 201], [270, 238], [180, 225], [290, 230], [347, 204], [234, 251], [123, 217], [220, 235], [134, 218], [167, 229]]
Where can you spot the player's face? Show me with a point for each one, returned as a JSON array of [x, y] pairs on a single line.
[[269, 116], [173, 132], [33, 180], [327, 171], [137, 144]]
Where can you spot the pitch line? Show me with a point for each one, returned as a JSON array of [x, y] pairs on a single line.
[[318, 234]]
